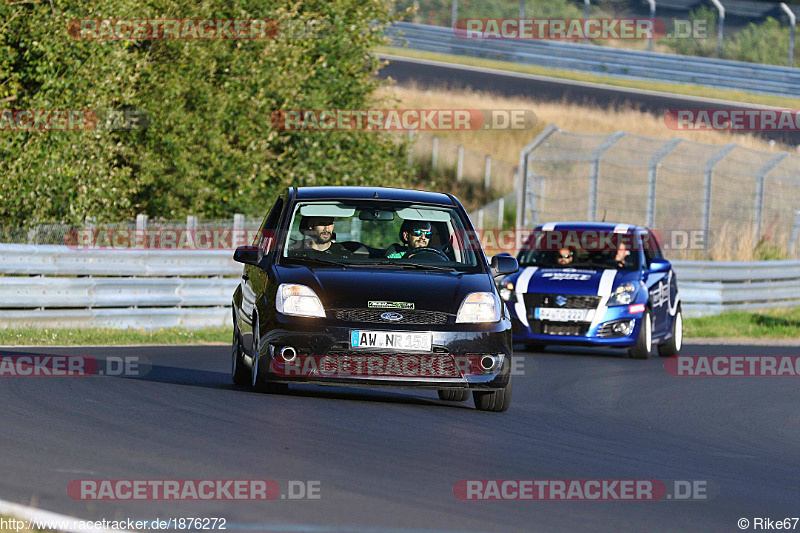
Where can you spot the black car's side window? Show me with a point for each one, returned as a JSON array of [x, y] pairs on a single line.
[[267, 236]]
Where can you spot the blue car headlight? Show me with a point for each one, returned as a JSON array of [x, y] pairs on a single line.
[[622, 295]]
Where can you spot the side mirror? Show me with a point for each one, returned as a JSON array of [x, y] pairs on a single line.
[[247, 255], [503, 265], [660, 265]]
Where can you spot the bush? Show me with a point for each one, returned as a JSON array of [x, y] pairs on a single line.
[[209, 148]]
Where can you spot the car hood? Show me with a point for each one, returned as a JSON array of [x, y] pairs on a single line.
[[584, 281], [355, 287]]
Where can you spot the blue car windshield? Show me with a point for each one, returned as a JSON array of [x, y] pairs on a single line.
[[559, 249]]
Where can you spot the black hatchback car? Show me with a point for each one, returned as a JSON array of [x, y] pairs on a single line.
[[373, 287]]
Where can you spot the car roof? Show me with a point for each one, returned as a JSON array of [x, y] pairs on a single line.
[[364, 193], [610, 227]]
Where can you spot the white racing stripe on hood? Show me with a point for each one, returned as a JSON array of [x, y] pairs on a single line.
[[604, 291], [520, 288]]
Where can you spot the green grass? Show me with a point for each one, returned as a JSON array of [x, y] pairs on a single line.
[[773, 324], [686, 90], [100, 336]]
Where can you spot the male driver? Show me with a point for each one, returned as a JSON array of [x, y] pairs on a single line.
[[621, 255], [318, 233], [414, 234], [564, 257]]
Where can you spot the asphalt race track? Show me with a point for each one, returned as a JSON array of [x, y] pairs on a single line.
[[438, 74], [387, 460]]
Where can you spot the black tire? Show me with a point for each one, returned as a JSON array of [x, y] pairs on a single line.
[[673, 345], [257, 381], [644, 344], [496, 401], [240, 375], [451, 395]]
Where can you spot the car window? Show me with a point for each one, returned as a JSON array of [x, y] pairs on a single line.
[[580, 249], [379, 232]]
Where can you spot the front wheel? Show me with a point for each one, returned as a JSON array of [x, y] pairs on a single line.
[[451, 395], [497, 401], [673, 346], [239, 374], [641, 350], [258, 383]]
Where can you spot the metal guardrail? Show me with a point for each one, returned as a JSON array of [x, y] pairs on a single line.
[[152, 302], [635, 64]]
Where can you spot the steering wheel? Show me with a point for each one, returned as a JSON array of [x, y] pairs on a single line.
[[427, 250]]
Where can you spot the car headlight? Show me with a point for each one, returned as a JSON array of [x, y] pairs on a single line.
[[298, 300], [506, 290], [622, 295], [479, 307]]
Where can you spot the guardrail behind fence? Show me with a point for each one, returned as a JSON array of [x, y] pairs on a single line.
[[51, 286], [623, 63]]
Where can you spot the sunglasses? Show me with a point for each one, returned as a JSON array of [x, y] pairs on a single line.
[[421, 232], [562, 256]]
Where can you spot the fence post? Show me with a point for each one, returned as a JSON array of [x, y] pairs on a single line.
[[454, 14], [435, 153], [594, 176], [191, 223], [480, 218], [487, 174], [709, 172], [460, 165], [411, 147], [652, 19], [758, 205], [795, 232], [720, 24], [141, 222], [652, 178], [501, 211], [792, 22], [524, 154]]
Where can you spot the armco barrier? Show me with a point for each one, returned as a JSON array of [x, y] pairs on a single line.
[[55, 286], [636, 64]]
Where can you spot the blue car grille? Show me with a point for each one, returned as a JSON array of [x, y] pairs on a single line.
[[574, 301]]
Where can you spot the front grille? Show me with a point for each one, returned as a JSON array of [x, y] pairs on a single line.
[[373, 316], [389, 365], [574, 301], [547, 327]]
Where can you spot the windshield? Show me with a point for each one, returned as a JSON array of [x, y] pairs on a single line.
[[561, 249], [378, 233]]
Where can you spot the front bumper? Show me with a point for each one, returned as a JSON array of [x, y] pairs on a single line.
[[595, 333], [325, 356]]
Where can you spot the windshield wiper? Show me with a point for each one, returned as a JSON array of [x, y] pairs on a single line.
[[410, 265], [316, 260]]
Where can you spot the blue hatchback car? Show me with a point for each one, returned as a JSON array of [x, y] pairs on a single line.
[[598, 284]]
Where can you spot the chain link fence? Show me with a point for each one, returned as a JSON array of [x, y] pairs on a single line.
[[734, 198]]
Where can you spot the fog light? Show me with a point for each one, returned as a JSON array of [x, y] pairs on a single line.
[[622, 328]]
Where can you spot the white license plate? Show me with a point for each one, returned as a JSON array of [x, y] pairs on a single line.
[[560, 315], [397, 340]]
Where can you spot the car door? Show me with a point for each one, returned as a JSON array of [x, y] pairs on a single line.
[[658, 284], [254, 278]]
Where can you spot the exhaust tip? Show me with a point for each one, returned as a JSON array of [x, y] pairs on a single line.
[[288, 354]]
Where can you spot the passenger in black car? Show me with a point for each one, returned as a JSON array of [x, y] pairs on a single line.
[[318, 233]]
